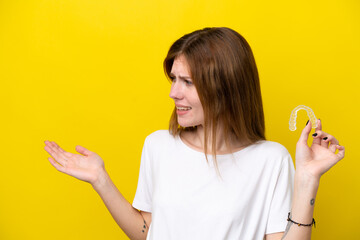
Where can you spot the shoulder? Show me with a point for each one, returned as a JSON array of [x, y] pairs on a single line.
[[159, 144], [159, 138], [272, 155], [159, 135], [270, 148]]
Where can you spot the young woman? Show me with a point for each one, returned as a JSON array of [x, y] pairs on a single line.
[[213, 175]]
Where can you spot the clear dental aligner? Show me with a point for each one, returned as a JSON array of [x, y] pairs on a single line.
[[310, 113]]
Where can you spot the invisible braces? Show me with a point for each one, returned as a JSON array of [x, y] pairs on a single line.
[[310, 113]]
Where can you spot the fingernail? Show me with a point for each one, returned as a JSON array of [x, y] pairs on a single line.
[[314, 135], [307, 122], [325, 138]]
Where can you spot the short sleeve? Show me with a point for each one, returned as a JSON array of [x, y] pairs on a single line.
[[282, 197], [143, 195]]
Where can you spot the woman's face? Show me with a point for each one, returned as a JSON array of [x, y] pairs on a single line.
[[188, 106]]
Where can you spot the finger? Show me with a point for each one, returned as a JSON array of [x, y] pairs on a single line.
[[318, 125], [52, 146], [55, 154], [62, 152], [317, 132], [325, 139], [329, 139], [49, 144], [319, 137], [83, 150], [341, 153], [58, 147], [324, 143], [56, 165], [305, 133]]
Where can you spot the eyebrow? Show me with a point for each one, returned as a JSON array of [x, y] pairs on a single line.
[[181, 77]]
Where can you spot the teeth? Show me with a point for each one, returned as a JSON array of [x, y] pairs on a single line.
[[183, 108]]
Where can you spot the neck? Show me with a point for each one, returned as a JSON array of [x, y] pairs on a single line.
[[195, 139]]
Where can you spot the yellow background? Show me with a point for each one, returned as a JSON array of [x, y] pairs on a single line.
[[90, 72]]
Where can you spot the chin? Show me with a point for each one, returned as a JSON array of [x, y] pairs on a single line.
[[188, 125], [185, 125], [186, 122]]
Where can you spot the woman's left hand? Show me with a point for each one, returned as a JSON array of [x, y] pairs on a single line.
[[321, 156]]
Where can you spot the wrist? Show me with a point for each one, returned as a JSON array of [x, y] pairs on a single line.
[[101, 181], [305, 191], [306, 180]]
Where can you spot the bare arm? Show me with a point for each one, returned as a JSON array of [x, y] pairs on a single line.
[[89, 167], [302, 211], [311, 163]]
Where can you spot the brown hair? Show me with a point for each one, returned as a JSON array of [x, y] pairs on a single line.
[[224, 72]]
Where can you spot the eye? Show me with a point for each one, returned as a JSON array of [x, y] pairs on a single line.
[[172, 78], [188, 82]]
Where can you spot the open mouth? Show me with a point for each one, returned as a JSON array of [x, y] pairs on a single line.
[[183, 108]]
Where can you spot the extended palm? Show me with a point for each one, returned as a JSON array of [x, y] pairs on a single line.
[[85, 167]]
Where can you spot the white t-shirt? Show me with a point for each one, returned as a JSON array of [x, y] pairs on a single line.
[[188, 199]]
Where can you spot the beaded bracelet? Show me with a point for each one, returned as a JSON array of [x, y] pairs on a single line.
[[300, 224]]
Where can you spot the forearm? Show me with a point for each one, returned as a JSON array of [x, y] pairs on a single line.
[[305, 190], [126, 216]]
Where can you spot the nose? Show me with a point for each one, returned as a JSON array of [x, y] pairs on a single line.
[[176, 91]]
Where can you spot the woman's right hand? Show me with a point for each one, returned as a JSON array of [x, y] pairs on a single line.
[[87, 167]]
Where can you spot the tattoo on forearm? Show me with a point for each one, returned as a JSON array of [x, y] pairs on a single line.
[[144, 227], [287, 227], [312, 201]]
